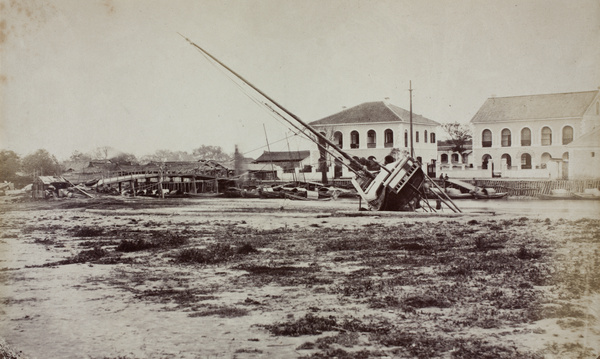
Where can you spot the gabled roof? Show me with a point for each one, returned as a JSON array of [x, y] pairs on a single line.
[[373, 112], [532, 107], [290, 156], [591, 139], [51, 179]]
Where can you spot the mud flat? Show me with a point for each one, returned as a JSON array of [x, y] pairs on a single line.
[[141, 278]]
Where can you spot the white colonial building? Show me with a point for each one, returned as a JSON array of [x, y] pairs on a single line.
[[535, 136], [379, 129]]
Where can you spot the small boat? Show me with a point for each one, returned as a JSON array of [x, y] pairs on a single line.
[[588, 193], [559, 194], [308, 198], [453, 193], [489, 193], [457, 189], [250, 192], [269, 192], [203, 195], [233, 192]]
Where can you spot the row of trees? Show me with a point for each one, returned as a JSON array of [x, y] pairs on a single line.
[[41, 162], [13, 168]]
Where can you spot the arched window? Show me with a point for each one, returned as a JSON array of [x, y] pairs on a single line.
[[465, 158], [485, 160], [506, 138], [507, 159], [354, 139], [371, 139], [338, 139], [454, 157], [388, 138], [432, 137], [444, 158], [417, 136], [486, 138], [525, 161], [545, 159], [425, 136], [567, 135], [546, 136], [526, 137], [405, 138]]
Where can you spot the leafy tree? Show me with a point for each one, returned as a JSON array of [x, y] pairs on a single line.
[[211, 153], [123, 157], [459, 134], [40, 162], [10, 164], [168, 155], [103, 152], [80, 157]]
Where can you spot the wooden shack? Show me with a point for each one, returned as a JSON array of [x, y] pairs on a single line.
[[49, 186]]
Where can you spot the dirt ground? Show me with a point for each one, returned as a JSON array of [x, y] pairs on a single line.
[[251, 278]]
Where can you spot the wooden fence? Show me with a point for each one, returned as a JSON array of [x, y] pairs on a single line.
[[535, 188]]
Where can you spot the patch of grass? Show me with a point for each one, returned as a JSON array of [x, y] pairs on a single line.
[[342, 354], [306, 346], [223, 312], [526, 253], [310, 324], [569, 323], [569, 350], [45, 241], [87, 232], [134, 245], [425, 301], [277, 271], [213, 254], [90, 255], [94, 255], [347, 340], [423, 345], [165, 239], [486, 243], [565, 310]]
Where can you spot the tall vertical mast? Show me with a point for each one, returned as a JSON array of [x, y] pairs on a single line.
[[412, 151], [270, 153]]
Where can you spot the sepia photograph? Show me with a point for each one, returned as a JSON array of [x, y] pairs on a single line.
[[350, 179]]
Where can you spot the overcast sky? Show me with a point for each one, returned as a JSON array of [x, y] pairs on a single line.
[[76, 75]]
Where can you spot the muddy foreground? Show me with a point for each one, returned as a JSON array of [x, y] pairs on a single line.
[[145, 278]]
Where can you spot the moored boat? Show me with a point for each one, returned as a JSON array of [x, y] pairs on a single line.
[[558, 194], [588, 193]]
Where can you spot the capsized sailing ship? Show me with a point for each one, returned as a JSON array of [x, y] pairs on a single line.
[[398, 186]]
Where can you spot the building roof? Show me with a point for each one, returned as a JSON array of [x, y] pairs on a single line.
[[532, 107], [289, 156], [262, 167], [589, 140], [372, 112], [51, 179]]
